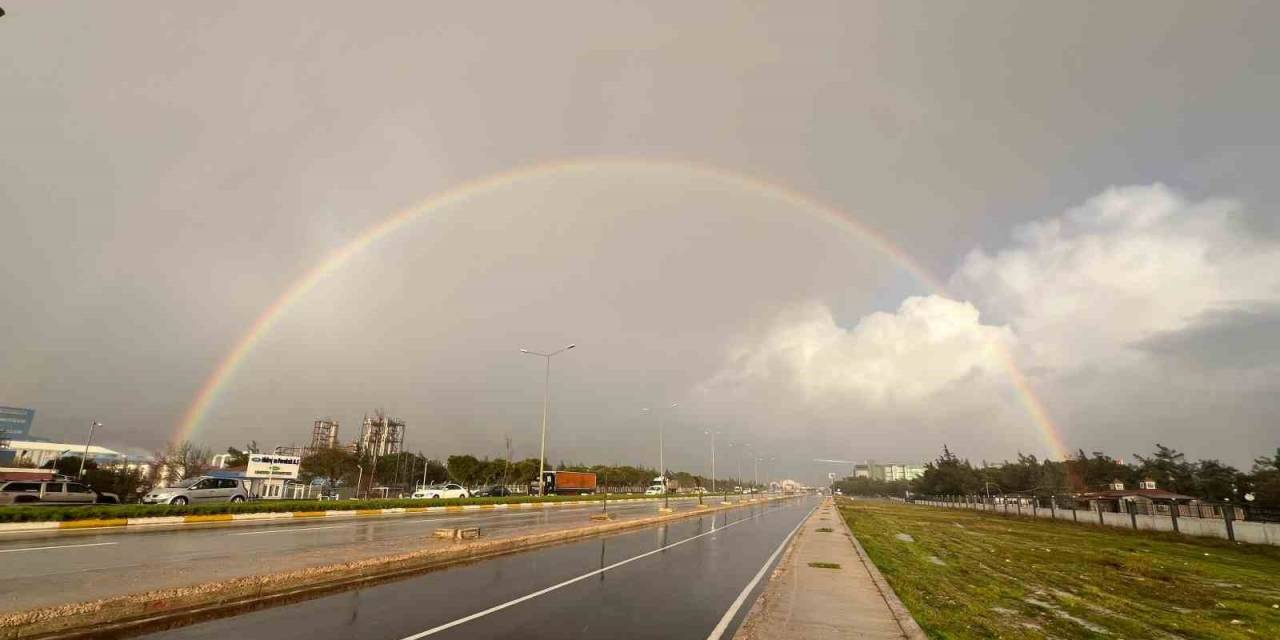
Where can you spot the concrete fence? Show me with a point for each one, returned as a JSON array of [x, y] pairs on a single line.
[[1227, 525]]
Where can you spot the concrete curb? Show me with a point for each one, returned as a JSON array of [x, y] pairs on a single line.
[[910, 628], [119, 524], [168, 608]]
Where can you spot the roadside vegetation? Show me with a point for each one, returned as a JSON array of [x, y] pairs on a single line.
[[980, 575], [111, 511], [1210, 480]]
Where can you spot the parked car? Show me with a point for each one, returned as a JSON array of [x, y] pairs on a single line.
[[654, 490], [199, 489], [52, 493], [450, 490], [496, 491]]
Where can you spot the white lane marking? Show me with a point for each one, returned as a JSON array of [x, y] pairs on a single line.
[[742, 597], [540, 592], [61, 546], [288, 529]]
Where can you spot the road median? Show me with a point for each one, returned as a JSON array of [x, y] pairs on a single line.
[[43, 519], [134, 613]]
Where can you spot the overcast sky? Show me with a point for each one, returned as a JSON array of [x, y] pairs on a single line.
[[1092, 183]]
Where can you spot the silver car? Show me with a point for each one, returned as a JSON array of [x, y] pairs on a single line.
[[198, 490]]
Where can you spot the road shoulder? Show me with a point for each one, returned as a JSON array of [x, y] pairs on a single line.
[[814, 602]]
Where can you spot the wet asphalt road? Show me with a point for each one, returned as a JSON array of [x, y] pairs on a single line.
[[73, 566], [674, 581]]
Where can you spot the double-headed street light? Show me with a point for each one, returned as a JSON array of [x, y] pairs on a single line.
[[88, 440], [546, 405]]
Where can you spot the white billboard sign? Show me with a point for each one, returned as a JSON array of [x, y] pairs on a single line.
[[263, 465]]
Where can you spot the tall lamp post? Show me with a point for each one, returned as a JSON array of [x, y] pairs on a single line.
[[546, 404], [88, 440], [662, 463], [713, 458]]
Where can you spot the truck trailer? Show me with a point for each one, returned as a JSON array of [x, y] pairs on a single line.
[[567, 483]]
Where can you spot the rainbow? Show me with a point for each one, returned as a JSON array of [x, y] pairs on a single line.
[[460, 194]]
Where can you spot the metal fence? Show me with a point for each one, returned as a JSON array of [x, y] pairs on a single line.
[[1238, 523]]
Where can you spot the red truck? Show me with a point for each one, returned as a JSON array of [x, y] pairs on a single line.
[[567, 483]]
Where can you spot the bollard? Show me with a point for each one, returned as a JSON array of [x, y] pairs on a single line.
[[1099, 505], [1228, 514]]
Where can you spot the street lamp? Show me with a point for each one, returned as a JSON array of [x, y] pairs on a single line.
[[88, 440], [713, 458], [662, 463], [737, 478], [546, 404]]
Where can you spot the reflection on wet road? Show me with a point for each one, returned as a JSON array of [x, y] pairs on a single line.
[[674, 581]]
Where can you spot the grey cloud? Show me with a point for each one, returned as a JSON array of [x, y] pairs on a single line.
[[1240, 338]]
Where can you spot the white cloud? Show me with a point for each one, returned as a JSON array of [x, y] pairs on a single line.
[[1130, 263], [928, 344], [1117, 306]]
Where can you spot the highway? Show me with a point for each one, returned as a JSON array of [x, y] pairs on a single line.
[[72, 566], [693, 578]]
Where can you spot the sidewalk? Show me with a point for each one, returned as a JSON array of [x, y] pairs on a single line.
[[801, 601]]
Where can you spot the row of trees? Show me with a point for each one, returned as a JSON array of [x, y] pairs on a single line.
[[339, 467], [1208, 479]]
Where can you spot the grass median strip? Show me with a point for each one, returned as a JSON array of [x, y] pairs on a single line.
[[978, 575], [110, 512]]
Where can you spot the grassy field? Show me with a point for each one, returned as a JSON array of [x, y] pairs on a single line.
[[973, 575], [29, 513]]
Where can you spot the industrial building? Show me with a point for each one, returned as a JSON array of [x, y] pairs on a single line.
[[324, 435], [380, 436]]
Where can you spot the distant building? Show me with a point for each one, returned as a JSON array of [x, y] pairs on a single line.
[[888, 472], [380, 436], [15, 424], [1146, 499], [324, 435], [38, 453]]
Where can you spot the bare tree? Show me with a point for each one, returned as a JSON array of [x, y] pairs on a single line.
[[179, 461]]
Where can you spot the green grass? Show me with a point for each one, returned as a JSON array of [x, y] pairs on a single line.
[[976, 575], [110, 511], [824, 530], [824, 565]]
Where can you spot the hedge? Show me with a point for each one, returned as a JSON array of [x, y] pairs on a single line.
[[29, 513]]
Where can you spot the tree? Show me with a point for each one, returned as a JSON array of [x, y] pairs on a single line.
[[948, 475], [871, 487], [335, 466], [240, 458], [1217, 481], [179, 461], [1169, 469], [462, 469], [1086, 473], [1266, 481]]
